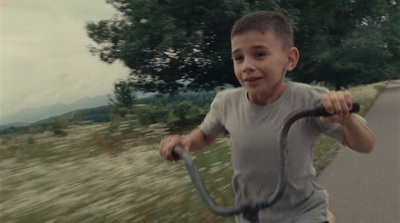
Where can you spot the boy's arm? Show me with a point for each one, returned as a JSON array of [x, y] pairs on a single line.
[[358, 136], [195, 141]]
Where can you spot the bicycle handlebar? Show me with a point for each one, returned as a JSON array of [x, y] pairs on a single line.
[[251, 210]]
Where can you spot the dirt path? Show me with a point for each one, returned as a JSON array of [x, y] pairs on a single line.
[[366, 188]]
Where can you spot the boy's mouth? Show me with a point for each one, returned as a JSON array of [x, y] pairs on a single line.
[[252, 79]]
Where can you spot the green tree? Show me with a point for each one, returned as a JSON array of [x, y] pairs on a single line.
[[124, 98], [99, 114], [344, 42], [391, 32], [173, 45]]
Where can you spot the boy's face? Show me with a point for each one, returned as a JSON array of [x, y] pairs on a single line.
[[260, 62]]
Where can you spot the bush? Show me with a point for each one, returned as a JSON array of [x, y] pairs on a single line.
[[186, 116], [182, 109], [30, 140], [152, 114], [35, 129], [58, 126]]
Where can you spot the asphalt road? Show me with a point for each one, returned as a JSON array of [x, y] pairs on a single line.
[[365, 188]]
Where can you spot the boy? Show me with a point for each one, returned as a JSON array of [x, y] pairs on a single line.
[[263, 51]]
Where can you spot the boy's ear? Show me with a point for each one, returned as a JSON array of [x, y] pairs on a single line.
[[292, 59]]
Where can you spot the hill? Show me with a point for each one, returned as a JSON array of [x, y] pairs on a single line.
[[14, 124], [94, 114], [33, 115]]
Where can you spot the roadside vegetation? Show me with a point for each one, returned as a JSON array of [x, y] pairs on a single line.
[[112, 172]]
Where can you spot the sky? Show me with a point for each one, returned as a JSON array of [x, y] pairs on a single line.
[[44, 56]]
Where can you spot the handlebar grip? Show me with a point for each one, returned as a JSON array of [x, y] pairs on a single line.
[[320, 110], [177, 152]]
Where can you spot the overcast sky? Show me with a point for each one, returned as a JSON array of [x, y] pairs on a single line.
[[44, 56]]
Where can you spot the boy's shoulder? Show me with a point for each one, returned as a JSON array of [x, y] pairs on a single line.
[[305, 94], [296, 90], [302, 89], [231, 93], [229, 96]]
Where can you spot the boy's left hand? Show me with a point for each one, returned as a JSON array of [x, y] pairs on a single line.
[[338, 104]]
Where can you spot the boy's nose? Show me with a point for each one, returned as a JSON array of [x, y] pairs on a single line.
[[248, 66]]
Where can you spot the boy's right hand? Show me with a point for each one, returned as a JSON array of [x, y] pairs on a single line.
[[167, 145]]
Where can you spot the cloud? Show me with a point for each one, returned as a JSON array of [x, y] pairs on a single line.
[[44, 56]]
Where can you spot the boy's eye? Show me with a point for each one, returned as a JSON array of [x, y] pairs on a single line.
[[260, 54], [238, 58]]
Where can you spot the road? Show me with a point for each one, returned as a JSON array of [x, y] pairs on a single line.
[[365, 188]]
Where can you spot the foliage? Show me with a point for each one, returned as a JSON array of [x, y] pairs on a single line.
[[177, 111], [100, 114], [346, 42], [30, 140], [58, 127], [124, 99], [201, 99], [152, 114], [35, 129], [14, 130], [391, 32], [174, 45], [182, 109], [181, 116]]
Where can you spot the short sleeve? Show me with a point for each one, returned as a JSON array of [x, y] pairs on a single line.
[[212, 124], [334, 130]]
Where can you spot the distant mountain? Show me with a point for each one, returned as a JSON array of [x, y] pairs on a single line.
[[94, 109], [14, 124], [98, 104], [32, 115]]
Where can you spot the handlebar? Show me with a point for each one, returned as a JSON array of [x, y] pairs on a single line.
[[250, 211]]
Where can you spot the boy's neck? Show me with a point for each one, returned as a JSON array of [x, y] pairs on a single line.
[[270, 97]]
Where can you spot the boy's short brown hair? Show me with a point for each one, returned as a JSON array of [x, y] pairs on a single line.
[[263, 21]]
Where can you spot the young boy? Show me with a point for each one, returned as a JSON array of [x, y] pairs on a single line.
[[263, 51]]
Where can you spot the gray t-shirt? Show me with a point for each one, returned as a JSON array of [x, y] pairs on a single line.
[[254, 134]]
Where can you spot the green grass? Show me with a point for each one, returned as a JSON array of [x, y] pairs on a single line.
[[135, 184]]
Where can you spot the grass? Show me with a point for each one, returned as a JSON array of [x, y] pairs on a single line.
[[97, 175], [134, 186]]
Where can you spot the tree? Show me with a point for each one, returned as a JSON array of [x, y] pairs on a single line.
[[345, 42], [391, 32], [172, 45], [124, 100]]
